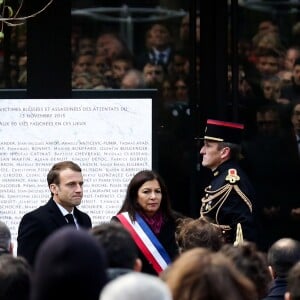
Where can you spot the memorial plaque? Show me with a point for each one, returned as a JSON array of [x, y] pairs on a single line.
[[111, 139]]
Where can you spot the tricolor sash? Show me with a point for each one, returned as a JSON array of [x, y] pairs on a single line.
[[146, 240]]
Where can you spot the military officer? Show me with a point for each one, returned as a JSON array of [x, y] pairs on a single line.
[[228, 200]]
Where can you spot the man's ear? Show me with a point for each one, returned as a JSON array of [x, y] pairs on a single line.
[[53, 188], [138, 265], [273, 274], [225, 152]]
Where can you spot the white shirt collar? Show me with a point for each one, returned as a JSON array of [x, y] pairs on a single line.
[[63, 210], [165, 52]]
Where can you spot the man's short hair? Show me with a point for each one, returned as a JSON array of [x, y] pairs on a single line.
[[282, 256], [120, 248], [53, 175], [15, 277], [5, 238]]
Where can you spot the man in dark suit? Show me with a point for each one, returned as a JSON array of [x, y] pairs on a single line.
[[65, 182], [159, 47], [282, 256], [229, 199]]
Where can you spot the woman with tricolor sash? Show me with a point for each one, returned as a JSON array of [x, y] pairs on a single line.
[[146, 213]]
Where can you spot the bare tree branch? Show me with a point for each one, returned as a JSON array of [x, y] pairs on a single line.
[[10, 18]]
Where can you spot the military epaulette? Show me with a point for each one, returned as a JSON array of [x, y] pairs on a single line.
[[232, 176]]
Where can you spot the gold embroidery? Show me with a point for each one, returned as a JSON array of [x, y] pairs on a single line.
[[222, 193]]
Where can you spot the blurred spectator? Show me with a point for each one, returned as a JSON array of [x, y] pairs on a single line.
[[100, 64], [202, 275], [267, 41], [184, 30], [244, 49], [177, 66], [70, 264], [82, 80], [86, 45], [285, 77], [161, 45], [109, 45], [153, 74], [192, 233], [83, 63], [15, 278], [293, 283], [184, 39], [133, 79], [6, 245], [268, 120], [282, 256], [98, 81], [295, 120], [244, 88], [121, 251], [268, 61], [167, 92], [271, 87], [291, 54], [252, 263], [119, 66], [292, 92], [181, 90], [267, 25], [136, 286]]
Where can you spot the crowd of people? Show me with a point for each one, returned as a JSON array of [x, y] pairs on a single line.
[[268, 104], [268, 88]]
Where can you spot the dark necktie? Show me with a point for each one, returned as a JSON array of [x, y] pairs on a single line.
[[161, 58], [70, 219]]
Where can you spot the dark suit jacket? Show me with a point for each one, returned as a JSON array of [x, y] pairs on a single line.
[[277, 290], [148, 56], [37, 225]]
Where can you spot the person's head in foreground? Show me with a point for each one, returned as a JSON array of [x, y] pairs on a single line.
[[199, 274], [70, 264], [136, 286]]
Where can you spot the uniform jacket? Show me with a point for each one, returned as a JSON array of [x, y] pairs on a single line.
[[229, 200], [37, 225], [166, 237]]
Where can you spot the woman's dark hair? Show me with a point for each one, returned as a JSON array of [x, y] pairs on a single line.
[[130, 203]]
